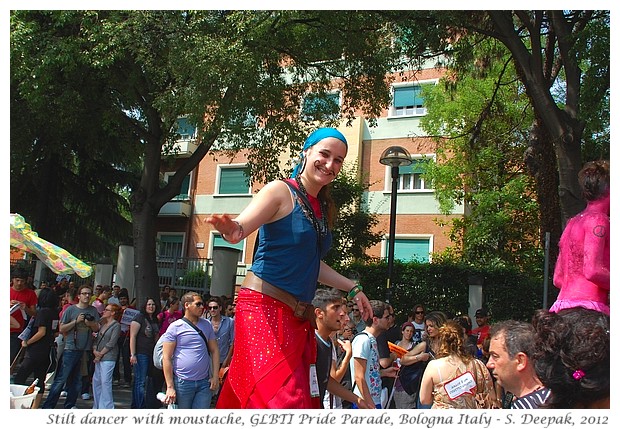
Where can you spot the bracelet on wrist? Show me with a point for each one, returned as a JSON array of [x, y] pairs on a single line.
[[240, 229], [354, 291]]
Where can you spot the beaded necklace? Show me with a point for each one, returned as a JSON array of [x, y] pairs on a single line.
[[320, 225]]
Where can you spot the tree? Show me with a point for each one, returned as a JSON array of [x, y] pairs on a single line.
[[480, 163], [555, 54], [354, 229], [69, 159], [239, 76]]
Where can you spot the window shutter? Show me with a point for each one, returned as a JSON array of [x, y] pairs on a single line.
[[407, 249], [408, 96], [233, 181]]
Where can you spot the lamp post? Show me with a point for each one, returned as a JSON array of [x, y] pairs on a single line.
[[394, 157]]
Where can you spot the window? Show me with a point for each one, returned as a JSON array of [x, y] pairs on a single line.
[[407, 249], [184, 193], [220, 242], [321, 106], [170, 245], [408, 101], [185, 130], [411, 178], [233, 180]]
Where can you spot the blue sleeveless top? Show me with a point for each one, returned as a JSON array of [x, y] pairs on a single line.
[[288, 255]]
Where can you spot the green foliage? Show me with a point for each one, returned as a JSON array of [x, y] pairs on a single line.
[[196, 279], [71, 155], [508, 292], [480, 163], [593, 51], [239, 75], [354, 231]]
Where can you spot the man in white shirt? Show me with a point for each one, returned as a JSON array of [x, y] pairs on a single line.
[[366, 370]]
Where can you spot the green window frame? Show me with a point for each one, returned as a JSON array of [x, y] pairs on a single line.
[[321, 106], [233, 181], [407, 249], [170, 245], [185, 130], [218, 241], [411, 177], [408, 101]]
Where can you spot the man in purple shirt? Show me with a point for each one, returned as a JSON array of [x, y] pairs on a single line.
[[190, 353]]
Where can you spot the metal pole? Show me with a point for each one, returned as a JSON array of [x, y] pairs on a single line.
[[546, 278], [391, 238]]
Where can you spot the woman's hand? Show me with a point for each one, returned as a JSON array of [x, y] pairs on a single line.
[[231, 230], [346, 346], [363, 304], [424, 356]]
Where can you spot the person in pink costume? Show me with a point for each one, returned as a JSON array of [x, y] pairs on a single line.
[[170, 315], [582, 270]]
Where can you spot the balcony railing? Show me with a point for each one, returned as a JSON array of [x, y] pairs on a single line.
[[184, 148], [176, 208]]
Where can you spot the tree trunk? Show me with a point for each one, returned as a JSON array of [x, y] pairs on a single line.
[[541, 162], [146, 279], [568, 155]]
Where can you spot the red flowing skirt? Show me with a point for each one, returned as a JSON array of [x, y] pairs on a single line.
[[270, 368]]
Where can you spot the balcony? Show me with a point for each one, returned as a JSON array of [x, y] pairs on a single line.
[[184, 147], [176, 208]]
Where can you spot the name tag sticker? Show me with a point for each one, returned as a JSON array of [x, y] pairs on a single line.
[[461, 385], [314, 382]]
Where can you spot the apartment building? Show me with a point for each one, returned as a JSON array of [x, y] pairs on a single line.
[[219, 185]]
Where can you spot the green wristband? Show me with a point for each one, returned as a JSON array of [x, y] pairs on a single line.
[[354, 291]]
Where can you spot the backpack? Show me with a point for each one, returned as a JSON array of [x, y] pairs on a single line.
[[158, 351]]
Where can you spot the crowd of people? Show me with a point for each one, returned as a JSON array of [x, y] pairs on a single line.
[[83, 340], [299, 346]]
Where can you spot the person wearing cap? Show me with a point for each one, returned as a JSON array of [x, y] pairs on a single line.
[[273, 366], [482, 331], [26, 299]]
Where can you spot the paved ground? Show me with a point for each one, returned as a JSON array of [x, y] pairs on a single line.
[[122, 399]]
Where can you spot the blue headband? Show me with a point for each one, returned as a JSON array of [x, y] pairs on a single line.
[[314, 138]]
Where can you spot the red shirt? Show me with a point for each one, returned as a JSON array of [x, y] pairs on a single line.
[[26, 296], [481, 333]]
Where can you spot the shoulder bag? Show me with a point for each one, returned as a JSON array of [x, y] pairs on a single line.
[[410, 376]]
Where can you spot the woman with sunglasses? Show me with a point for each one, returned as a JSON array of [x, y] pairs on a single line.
[[105, 352], [143, 335]]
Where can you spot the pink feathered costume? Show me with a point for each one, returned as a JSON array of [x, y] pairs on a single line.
[[582, 269]]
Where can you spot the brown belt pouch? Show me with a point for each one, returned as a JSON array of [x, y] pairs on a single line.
[[301, 310]]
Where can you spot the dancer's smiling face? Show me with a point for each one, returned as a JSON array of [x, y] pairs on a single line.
[[324, 160]]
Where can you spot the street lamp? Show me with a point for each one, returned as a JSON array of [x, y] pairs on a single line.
[[394, 157]]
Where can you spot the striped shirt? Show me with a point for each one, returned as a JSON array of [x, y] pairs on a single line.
[[531, 400]]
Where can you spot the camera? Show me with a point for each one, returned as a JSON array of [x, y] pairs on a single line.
[[88, 317]]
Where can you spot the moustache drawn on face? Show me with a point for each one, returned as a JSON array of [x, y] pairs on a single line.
[[317, 164]]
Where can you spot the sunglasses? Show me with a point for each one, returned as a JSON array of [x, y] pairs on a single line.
[[419, 312], [214, 307], [199, 304]]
